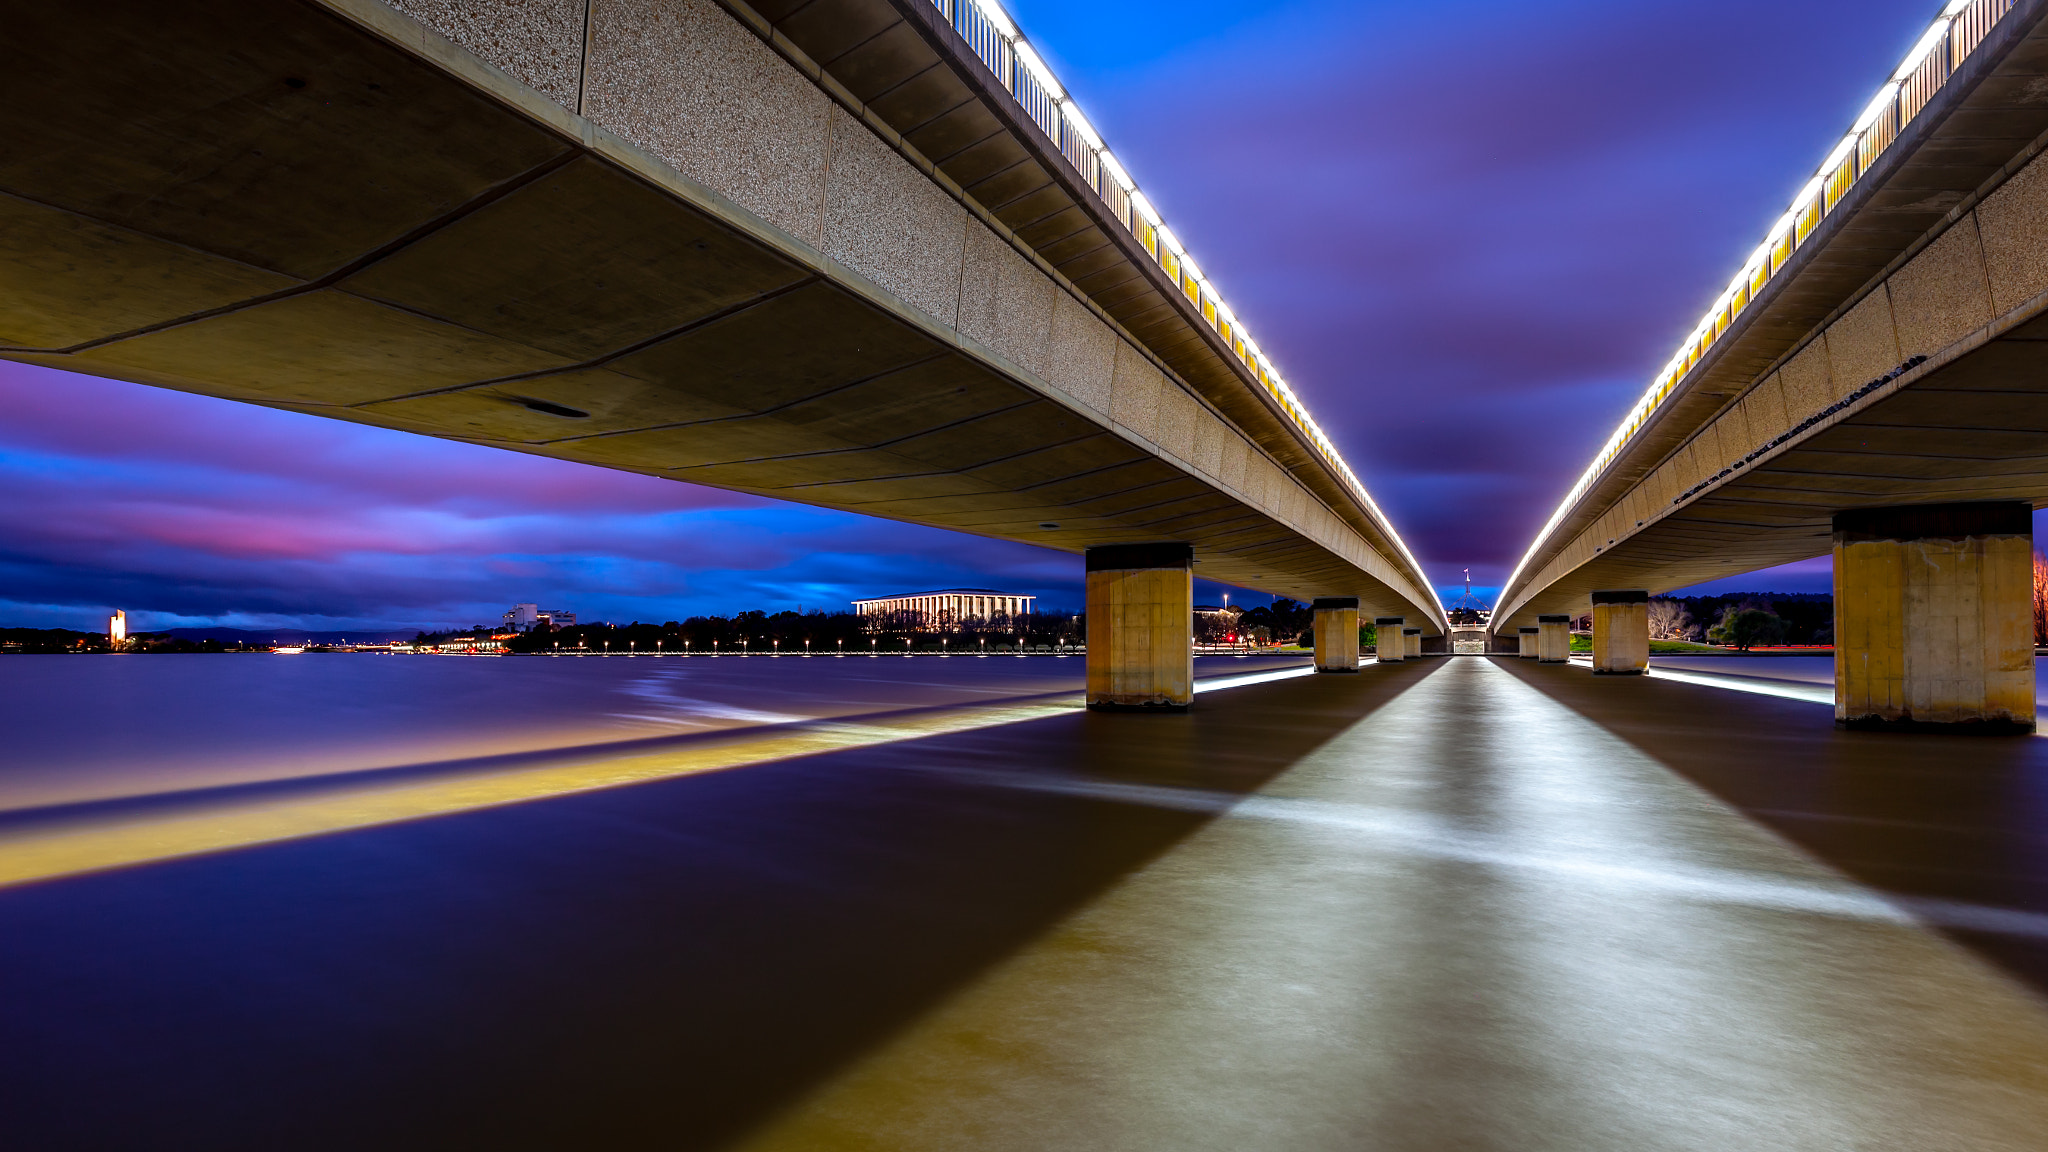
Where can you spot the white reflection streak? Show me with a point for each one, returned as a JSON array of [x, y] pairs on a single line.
[[1415, 834], [1214, 683], [1784, 689]]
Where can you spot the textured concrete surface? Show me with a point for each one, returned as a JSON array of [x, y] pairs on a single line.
[[539, 42], [1140, 637], [1863, 344], [1083, 354], [685, 81], [1942, 295], [2012, 220], [1006, 303], [1135, 393], [891, 224]]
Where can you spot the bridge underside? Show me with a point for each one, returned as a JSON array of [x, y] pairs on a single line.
[[264, 202], [1967, 428]]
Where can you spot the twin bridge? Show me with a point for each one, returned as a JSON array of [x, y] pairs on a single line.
[[868, 255]]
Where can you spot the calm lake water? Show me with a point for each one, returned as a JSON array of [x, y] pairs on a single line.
[[84, 729]]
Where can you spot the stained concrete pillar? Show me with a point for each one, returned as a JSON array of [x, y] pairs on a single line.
[[1389, 645], [1336, 633], [1621, 633], [1141, 632], [1934, 619], [1530, 638], [1411, 643], [1554, 638]]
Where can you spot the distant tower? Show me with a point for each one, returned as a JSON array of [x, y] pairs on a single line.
[[117, 628]]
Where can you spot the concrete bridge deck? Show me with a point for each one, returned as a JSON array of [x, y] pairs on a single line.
[[1888, 349], [1463, 903], [823, 255]]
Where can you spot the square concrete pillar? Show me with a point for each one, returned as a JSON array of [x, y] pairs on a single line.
[[1554, 638], [1141, 627], [1411, 643], [1336, 633], [1934, 618], [1389, 645], [1529, 638], [1621, 633]]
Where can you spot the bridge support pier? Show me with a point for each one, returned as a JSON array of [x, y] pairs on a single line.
[[1934, 620], [1529, 640], [1554, 638], [1621, 633], [1411, 643], [1336, 633], [1141, 611], [1389, 645]]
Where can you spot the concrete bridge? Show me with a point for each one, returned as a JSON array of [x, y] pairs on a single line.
[[1873, 382], [860, 254]]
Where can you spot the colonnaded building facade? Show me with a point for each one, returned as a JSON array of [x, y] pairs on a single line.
[[949, 607]]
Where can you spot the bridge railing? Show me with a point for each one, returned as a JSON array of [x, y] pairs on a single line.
[[994, 38], [1954, 35]]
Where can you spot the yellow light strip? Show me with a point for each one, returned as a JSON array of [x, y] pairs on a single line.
[[44, 853]]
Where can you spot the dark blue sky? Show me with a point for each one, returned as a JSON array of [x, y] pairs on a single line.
[[1468, 231]]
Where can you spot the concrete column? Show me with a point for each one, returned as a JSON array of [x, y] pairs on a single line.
[[1411, 643], [1141, 613], [1934, 619], [1388, 646], [1336, 633], [1554, 638], [1530, 638], [1621, 633]]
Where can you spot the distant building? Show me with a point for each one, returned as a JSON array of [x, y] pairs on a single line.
[[494, 643], [117, 628], [1226, 612], [948, 608], [523, 617]]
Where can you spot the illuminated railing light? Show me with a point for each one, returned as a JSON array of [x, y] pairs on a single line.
[[1117, 173], [1039, 72], [1928, 41], [1879, 105], [994, 14]]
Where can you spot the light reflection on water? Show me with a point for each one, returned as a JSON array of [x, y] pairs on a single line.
[[1799, 677], [81, 729]]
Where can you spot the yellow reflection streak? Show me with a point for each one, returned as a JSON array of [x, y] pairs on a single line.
[[46, 853]]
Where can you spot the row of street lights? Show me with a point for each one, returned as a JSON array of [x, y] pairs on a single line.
[[874, 646]]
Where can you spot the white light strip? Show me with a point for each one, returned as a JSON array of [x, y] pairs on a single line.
[[1039, 72]]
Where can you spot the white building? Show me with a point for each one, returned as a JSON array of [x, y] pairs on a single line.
[[523, 617], [949, 608], [117, 628]]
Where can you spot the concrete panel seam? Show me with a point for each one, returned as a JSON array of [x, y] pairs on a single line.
[[327, 280]]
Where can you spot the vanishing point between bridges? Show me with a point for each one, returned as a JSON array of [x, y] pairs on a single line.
[[1495, 878]]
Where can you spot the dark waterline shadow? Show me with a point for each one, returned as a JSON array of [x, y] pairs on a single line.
[[1924, 817], [661, 965]]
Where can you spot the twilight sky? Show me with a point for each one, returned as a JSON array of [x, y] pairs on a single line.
[[1468, 231]]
